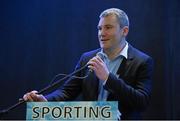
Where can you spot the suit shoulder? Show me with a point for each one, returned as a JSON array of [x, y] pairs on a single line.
[[85, 57], [91, 53], [140, 55]]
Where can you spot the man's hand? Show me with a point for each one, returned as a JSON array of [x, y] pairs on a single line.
[[99, 67], [34, 97]]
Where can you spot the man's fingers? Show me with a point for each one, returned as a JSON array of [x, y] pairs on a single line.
[[34, 96], [34, 91], [91, 67], [95, 61], [31, 96], [99, 59], [27, 97]]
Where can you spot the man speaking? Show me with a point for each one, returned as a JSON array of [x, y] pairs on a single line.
[[120, 72]]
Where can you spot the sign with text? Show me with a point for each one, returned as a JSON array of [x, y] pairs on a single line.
[[72, 111]]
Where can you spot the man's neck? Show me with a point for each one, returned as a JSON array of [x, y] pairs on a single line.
[[113, 52]]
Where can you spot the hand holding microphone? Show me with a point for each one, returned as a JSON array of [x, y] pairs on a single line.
[[99, 67]]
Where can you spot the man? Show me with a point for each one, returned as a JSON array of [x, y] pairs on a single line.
[[120, 72]]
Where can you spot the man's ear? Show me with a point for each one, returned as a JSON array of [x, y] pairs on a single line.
[[125, 30]]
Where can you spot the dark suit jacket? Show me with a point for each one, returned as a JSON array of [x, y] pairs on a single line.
[[132, 89]]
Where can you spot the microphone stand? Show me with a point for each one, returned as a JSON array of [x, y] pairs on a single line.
[[59, 82]]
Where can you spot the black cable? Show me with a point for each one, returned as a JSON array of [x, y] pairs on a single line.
[[61, 74], [60, 81]]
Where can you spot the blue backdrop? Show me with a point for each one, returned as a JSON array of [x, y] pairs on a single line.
[[41, 38]]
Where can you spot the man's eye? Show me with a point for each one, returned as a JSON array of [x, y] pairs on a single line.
[[108, 27], [99, 28]]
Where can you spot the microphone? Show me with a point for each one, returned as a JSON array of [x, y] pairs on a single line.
[[89, 70], [100, 54]]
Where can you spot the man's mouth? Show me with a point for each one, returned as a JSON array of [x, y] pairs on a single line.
[[104, 39]]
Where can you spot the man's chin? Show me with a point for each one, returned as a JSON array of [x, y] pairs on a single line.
[[105, 48]]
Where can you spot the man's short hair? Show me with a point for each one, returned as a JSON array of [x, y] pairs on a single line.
[[120, 14]]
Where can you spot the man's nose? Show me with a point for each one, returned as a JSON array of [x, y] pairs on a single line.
[[102, 33]]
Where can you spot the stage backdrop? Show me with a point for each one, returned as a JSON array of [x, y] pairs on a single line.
[[41, 38]]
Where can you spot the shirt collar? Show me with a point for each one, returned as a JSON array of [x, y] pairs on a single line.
[[124, 52]]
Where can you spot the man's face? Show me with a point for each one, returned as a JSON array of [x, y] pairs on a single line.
[[109, 32]]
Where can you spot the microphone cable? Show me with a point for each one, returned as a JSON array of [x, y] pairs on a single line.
[[61, 74], [60, 81]]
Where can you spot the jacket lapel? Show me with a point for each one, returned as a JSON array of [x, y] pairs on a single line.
[[126, 62]]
